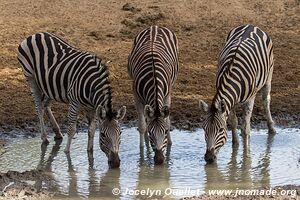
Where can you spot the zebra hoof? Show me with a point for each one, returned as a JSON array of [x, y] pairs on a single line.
[[90, 151], [67, 151], [45, 141], [235, 143], [56, 138], [58, 141], [272, 131]]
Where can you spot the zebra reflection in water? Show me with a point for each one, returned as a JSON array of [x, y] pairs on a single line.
[[239, 171]]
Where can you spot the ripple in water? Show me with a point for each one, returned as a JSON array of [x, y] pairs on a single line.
[[269, 161]]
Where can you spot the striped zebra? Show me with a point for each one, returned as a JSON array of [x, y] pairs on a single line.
[[57, 71], [245, 67], [153, 66]]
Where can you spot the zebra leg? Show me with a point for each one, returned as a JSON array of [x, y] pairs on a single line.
[[37, 96], [72, 117], [246, 126], [169, 135], [146, 139], [233, 123], [142, 125], [266, 101], [168, 103], [91, 132], [53, 121]]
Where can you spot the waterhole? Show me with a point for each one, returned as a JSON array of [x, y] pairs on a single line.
[[269, 161]]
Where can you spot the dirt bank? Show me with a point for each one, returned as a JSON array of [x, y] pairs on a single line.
[[26, 185], [37, 184], [108, 27]]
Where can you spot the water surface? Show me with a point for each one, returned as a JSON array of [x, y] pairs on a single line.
[[269, 161]]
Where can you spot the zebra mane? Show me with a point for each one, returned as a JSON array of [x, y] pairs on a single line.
[[110, 114], [156, 108], [152, 40], [225, 68]]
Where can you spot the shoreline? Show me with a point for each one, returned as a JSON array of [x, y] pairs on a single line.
[[32, 128], [28, 185]]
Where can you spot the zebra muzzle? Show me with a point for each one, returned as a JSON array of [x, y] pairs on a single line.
[[114, 160], [210, 156], [159, 157]]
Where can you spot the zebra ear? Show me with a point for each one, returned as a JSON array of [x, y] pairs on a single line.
[[148, 112], [121, 113], [101, 112], [165, 111], [222, 106], [203, 106]]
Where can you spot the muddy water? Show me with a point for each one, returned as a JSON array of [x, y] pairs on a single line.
[[269, 161]]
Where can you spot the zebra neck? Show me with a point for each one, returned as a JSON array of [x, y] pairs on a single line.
[[101, 92], [102, 97]]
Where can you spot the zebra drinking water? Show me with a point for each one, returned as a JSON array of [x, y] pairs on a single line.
[[57, 71], [245, 67], [153, 66]]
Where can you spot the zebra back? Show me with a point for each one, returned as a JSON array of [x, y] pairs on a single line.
[[153, 65]]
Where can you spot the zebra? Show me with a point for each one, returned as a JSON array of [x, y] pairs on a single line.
[[153, 67], [245, 66], [58, 71]]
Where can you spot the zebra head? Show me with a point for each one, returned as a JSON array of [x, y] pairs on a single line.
[[110, 133], [157, 129], [215, 129]]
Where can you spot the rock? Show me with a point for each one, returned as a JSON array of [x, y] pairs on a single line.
[[130, 7], [95, 34], [128, 23], [30, 182], [21, 194], [127, 7], [110, 35]]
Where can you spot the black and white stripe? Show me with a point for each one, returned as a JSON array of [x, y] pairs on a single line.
[[153, 66], [57, 71], [245, 67]]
